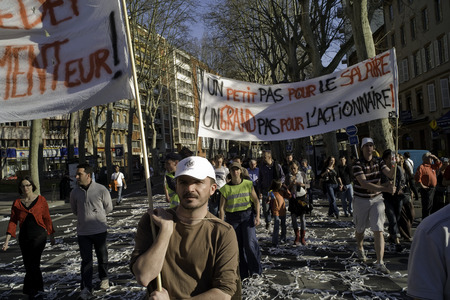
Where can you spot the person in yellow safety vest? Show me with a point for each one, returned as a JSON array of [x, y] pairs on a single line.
[[238, 195], [170, 164]]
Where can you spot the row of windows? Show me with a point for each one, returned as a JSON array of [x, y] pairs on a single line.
[[184, 97], [14, 143], [443, 92], [187, 110], [188, 136], [115, 138], [187, 123], [18, 124], [182, 58], [413, 23], [425, 59], [184, 85], [424, 12], [184, 72]]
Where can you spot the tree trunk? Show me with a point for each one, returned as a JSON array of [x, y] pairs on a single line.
[[71, 138], [380, 130], [131, 114], [109, 120], [36, 149], [82, 135]]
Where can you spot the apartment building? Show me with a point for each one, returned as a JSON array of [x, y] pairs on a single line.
[[420, 33]]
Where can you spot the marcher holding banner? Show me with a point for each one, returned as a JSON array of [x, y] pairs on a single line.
[[244, 111], [368, 205]]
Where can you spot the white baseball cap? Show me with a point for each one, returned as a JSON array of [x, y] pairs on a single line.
[[366, 140], [195, 166]]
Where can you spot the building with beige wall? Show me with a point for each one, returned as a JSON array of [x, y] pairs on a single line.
[[420, 32]]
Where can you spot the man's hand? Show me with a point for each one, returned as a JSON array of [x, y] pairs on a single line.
[[162, 219], [390, 188], [164, 294], [257, 221]]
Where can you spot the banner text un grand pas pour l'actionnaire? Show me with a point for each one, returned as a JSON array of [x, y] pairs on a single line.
[[243, 111], [62, 56]]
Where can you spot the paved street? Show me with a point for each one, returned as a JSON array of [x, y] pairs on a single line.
[[324, 269]]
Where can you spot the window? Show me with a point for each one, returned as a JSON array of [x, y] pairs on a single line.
[[393, 39], [400, 6], [419, 102], [23, 124], [445, 93], [119, 139], [417, 64], [412, 25], [101, 137], [391, 12], [441, 49], [402, 35], [24, 143], [404, 72], [428, 57], [438, 10], [425, 19], [431, 97], [408, 102]]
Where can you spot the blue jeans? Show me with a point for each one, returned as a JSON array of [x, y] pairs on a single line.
[[333, 209], [302, 221], [266, 208], [119, 194], [276, 228], [85, 243], [347, 199], [243, 223]]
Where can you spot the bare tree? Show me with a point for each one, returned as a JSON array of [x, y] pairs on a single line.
[[292, 40], [358, 11], [36, 153], [155, 25]]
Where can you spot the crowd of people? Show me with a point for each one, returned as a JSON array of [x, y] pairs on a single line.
[[215, 207]]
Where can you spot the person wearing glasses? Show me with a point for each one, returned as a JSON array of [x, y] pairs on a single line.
[[32, 213]]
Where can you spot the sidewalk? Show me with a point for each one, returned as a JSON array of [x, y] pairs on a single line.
[[52, 197]]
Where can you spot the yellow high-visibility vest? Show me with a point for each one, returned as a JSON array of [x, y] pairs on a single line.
[[174, 200], [238, 197]]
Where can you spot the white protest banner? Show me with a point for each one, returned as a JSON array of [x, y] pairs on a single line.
[[243, 111], [58, 57]]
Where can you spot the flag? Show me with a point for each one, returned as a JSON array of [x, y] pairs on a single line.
[[57, 57]]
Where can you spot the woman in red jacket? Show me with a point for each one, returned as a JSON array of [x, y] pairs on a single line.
[[31, 211]]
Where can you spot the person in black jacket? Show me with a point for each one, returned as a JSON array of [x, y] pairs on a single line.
[[346, 188]]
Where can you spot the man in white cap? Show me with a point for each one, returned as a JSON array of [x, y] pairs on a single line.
[[368, 205], [195, 252]]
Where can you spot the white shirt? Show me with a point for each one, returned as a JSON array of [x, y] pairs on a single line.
[[118, 177], [410, 164]]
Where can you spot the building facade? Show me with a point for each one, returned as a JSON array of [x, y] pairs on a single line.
[[420, 33]]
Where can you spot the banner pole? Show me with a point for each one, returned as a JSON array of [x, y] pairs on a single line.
[[141, 128]]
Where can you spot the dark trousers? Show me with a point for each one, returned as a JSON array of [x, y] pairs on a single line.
[[99, 242], [32, 249], [406, 219], [249, 252], [413, 187], [393, 207], [427, 196]]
